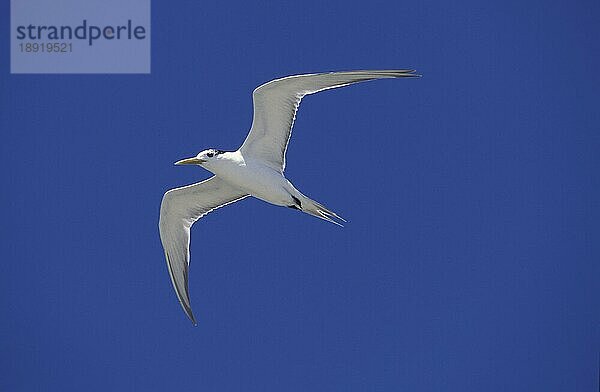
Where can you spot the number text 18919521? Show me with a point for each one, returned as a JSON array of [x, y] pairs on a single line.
[[49, 47]]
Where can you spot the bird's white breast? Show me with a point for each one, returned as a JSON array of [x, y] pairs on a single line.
[[254, 177]]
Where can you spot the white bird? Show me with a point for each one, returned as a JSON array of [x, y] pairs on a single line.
[[255, 169]]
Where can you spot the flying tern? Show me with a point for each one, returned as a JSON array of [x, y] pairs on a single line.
[[255, 169]]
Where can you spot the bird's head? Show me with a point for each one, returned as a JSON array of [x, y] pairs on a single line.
[[205, 156]]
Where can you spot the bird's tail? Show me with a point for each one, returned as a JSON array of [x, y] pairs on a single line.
[[320, 211]]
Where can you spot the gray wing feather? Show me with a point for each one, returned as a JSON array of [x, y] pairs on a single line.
[[180, 208], [276, 104]]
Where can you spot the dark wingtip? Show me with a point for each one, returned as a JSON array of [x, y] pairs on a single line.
[[188, 312], [412, 74], [403, 73], [185, 304]]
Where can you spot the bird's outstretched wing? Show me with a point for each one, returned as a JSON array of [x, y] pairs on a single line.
[[180, 208], [276, 104]]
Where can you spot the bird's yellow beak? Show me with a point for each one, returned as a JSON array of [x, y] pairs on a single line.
[[190, 161]]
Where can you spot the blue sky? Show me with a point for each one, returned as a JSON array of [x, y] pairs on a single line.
[[470, 260]]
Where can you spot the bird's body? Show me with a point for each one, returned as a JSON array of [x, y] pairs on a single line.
[[255, 169], [253, 177]]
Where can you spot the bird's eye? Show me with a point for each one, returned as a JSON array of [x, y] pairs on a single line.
[[210, 154]]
